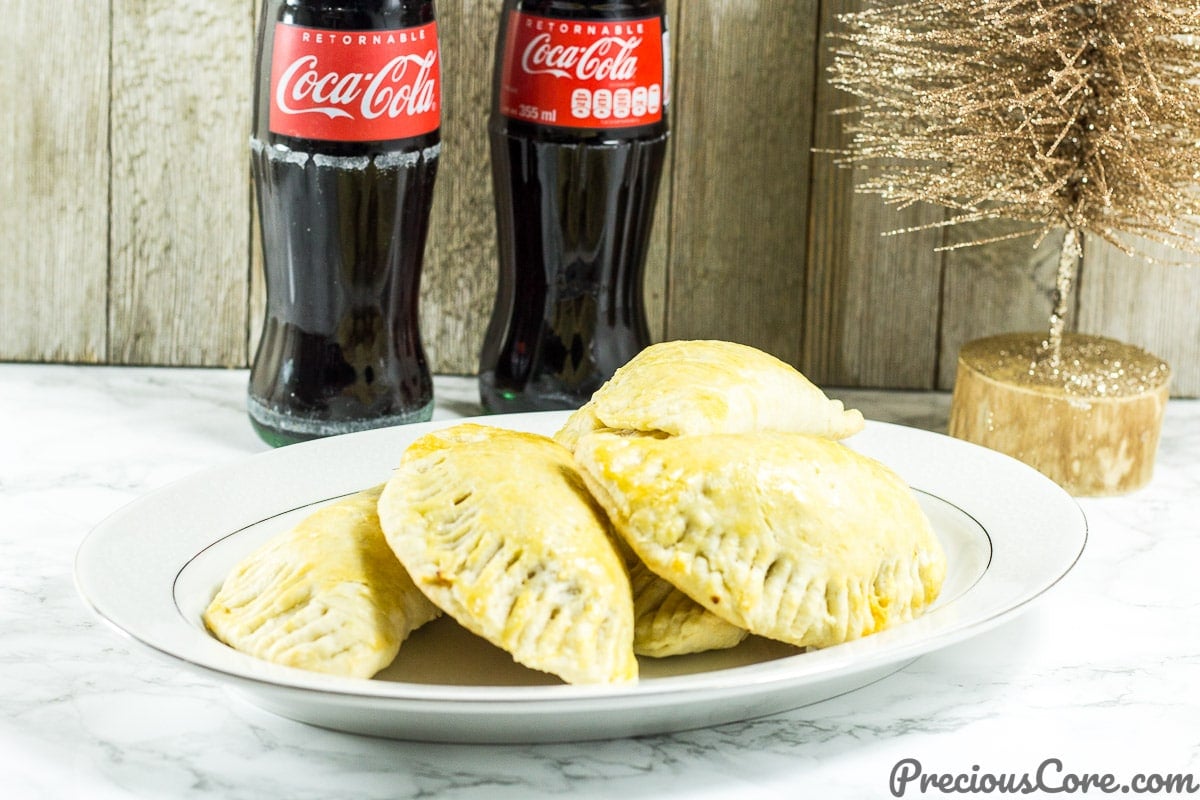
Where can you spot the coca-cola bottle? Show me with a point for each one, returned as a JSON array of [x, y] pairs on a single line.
[[345, 150], [578, 133]]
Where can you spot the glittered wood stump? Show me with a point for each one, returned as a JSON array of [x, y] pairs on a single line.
[[1091, 422]]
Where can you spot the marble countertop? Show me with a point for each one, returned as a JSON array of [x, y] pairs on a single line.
[[1102, 675]]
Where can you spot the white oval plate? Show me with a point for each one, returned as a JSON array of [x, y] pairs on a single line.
[[151, 569]]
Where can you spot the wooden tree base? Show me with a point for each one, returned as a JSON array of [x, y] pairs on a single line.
[[1091, 425]]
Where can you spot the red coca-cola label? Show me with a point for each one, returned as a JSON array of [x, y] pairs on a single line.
[[584, 73], [355, 86]]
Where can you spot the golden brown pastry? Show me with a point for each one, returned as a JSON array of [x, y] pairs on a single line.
[[693, 387], [327, 596], [790, 536], [666, 622], [499, 530], [669, 623]]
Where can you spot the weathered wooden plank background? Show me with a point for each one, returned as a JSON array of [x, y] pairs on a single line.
[[128, 232]]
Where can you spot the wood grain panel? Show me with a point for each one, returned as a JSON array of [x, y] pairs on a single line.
[[1002, 287], [128, 230], [1155, 306], [658, 257], [872, 300], [739, 197], [54, 216], [459, 280], [180, 216]]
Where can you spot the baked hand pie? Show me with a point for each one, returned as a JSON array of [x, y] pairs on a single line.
[[498, 529], [666, 622], [327, 595], [669, 623], [694, 387], [691, 387], [793, 537]]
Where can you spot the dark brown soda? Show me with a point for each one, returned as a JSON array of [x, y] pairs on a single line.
[[344, 227], [574, 210]]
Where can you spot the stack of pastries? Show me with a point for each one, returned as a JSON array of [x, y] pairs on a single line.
[[700, 496]]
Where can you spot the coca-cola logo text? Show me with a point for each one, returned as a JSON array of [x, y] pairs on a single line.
[[355, 86], [604, 73], [403, 87], [607, 59]]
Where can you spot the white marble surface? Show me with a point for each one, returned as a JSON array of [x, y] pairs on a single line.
[[1102, 673]]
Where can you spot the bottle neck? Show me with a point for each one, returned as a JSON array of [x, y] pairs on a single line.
[[590, 9], [359, 15]]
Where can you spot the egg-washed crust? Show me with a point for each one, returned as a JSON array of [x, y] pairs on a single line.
[[666, 622], [499, 530], [669, 623], [792, 537], [700, 387], [327, 596]]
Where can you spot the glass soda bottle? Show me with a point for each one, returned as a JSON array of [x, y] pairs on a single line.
[[345, 146], [578, 133]]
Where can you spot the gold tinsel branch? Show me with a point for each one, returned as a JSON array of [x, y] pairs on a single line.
[[1083, 115]]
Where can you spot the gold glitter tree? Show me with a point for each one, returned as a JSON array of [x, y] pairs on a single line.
[[1076, 115]]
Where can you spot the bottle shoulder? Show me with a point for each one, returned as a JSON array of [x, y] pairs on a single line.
[[429, 145]]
